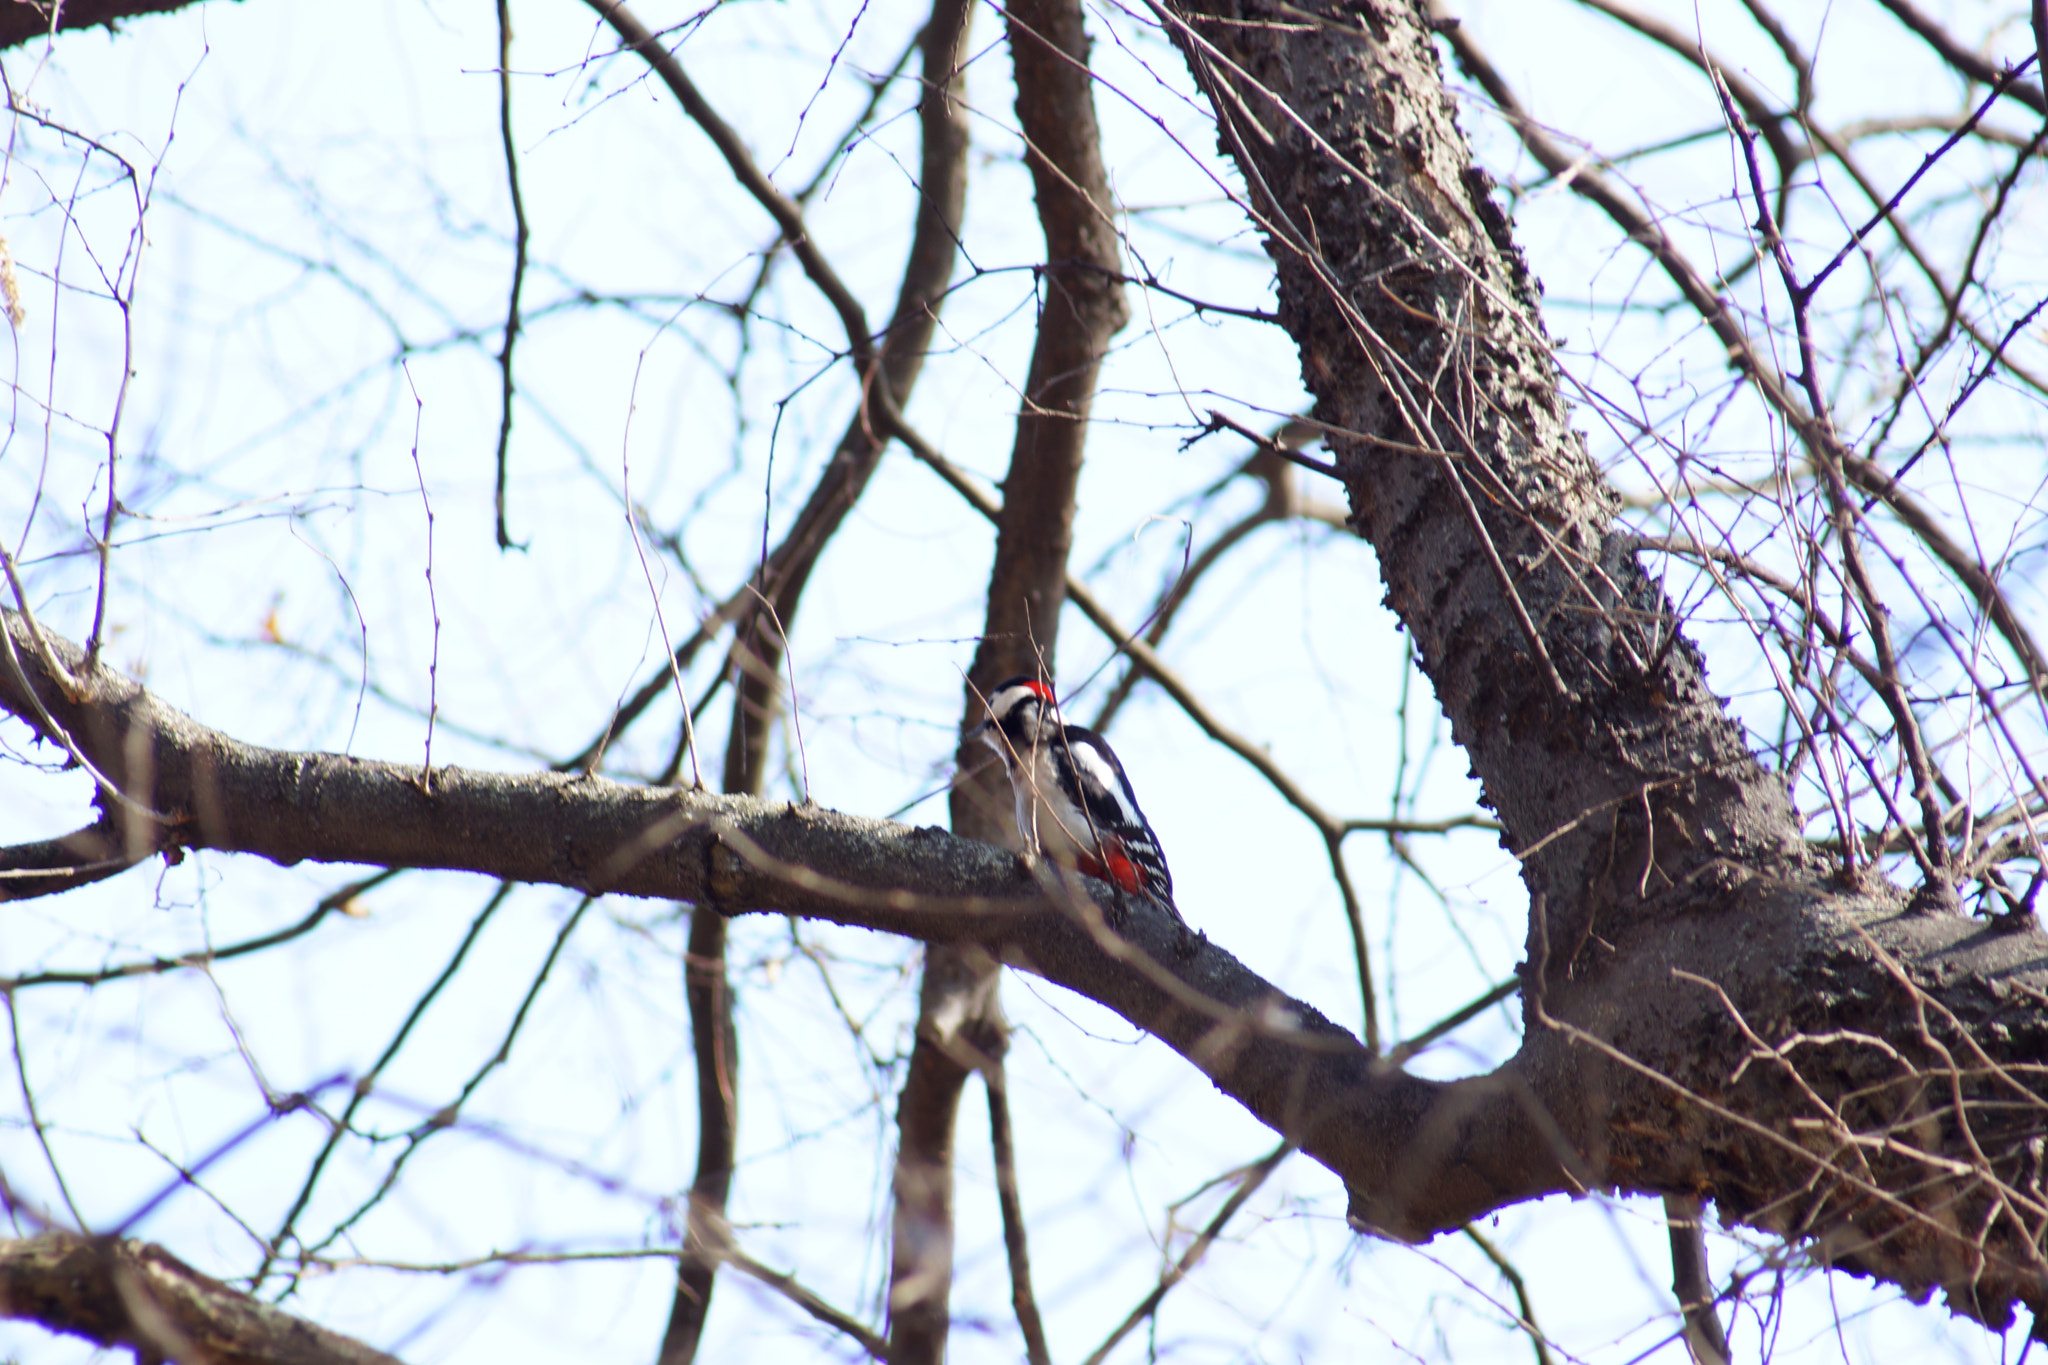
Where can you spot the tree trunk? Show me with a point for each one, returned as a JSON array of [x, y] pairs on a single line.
[[1710, 1009], [960, 1014]]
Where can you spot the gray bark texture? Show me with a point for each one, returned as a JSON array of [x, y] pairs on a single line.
[[1710, 1011]]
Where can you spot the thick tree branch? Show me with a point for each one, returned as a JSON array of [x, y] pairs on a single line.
[[23, 22], [1649, 837], [707, 991], [139, 1296], [1966, 63], [1418, 1156], [1299, 1073]]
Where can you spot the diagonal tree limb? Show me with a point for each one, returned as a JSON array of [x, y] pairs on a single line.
[[139, 1296], [1966, 63], [1526, 1318], [787, 1286], [788, 216], [1418, 1156], [1249, 1179]]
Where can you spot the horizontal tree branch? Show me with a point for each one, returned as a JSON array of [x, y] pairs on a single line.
[[1488, 1141]]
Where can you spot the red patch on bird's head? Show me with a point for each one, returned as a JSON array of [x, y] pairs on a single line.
[[1029, 684]]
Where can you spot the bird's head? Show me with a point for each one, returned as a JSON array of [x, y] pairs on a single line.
[[1018, 711]]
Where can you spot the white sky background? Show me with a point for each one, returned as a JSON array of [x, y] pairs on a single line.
[[334, 196]]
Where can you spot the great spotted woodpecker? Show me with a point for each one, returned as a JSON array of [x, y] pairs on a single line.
[[1074, 804]]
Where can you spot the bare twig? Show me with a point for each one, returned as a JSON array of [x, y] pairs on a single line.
[[1249, 1179], [1527, 1321]]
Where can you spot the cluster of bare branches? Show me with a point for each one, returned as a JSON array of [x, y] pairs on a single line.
[[1879, 362]]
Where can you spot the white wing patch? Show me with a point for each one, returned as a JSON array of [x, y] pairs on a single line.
[[1095, 768]]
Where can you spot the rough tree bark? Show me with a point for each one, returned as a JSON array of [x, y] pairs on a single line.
[[1681, 932], [139, 1296]]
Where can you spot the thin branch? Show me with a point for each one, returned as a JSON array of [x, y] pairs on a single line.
[[1884, 211], [1966, 62], [342, 899], [1399, 1054], [787, 214], [28, 1103], [786, 1285], [1284, 499], [995, 1079], [1219, 422], [519, 241], [1934, 856], [1375, 825], [1527, 1321], [1249, 1181], [366, 1084], [446, 1117]]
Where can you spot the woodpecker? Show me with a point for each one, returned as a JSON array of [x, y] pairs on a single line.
[[1074, 804]]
